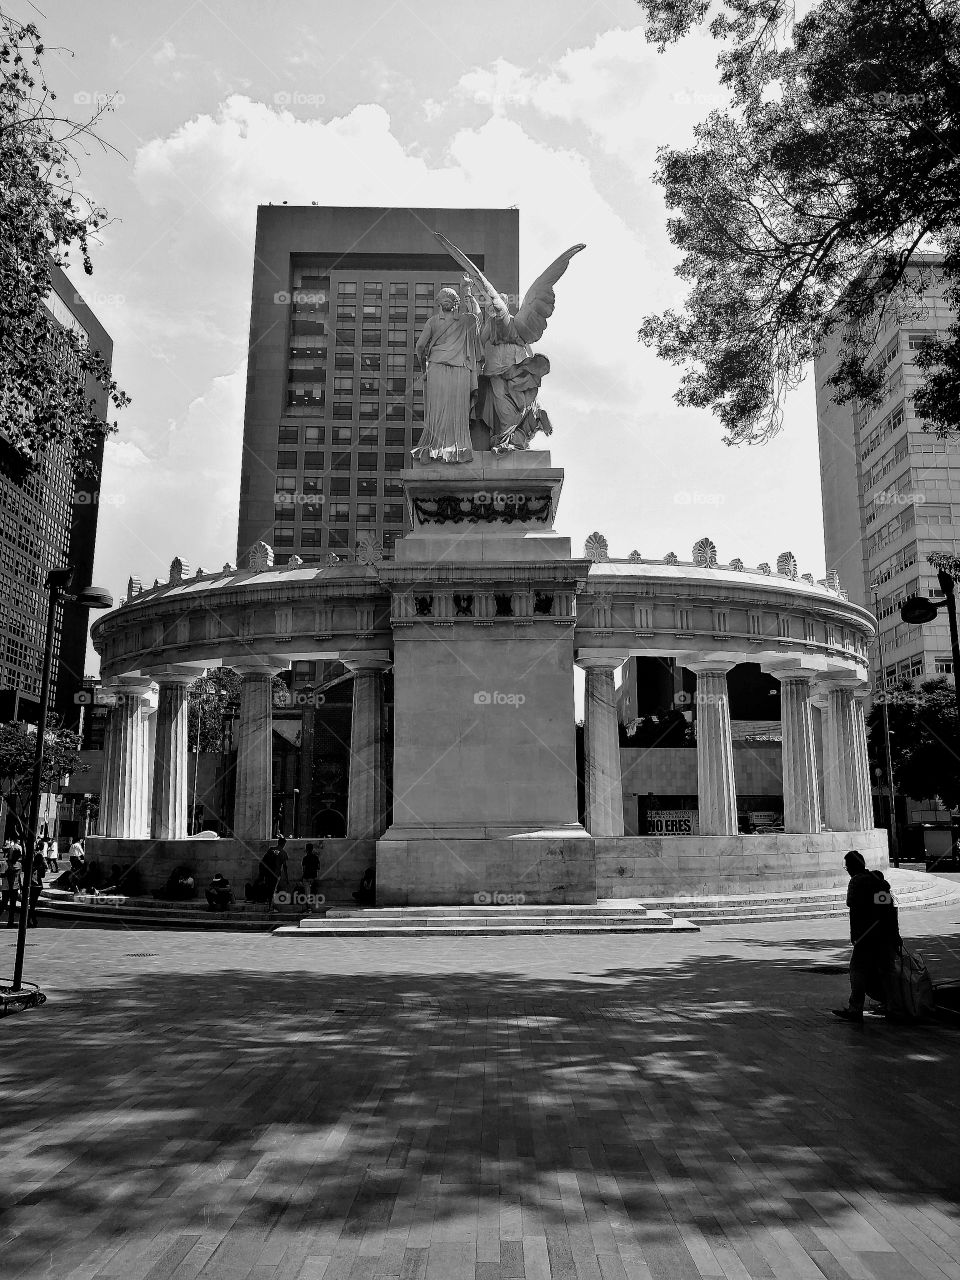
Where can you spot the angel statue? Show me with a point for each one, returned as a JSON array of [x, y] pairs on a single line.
[[449, 352], [506, 400]]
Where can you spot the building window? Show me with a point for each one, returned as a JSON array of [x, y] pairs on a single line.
[[338, 512], [372, 338], [286, 460], [340, 462], [394, 461], [369, 410], [943, 665], [339, 485], [372, 314], [399, 289], [372, 289], [396, 386], [312, 484], [396, 363], [392, 487], [367, 462], [684, 619], [345, 337], [343, 435], [366, 513], [346, 312], [783, 627], [344, 410], [370, 386], [720, 620], [395, 436], [366, 488], [346, 287], [393, 513], [396, 337], [313, 458], [395, 411], [288, 435], [370, 363], [756, 624], [282, 537], [343, 386], [312, 436], [343, 360], [809, 629], [286, 484], [398, 314], [369, 435]]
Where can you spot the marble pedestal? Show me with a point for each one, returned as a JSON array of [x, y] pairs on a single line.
[[483, 613]]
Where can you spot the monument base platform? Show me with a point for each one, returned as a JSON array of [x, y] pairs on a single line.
[[456, 869]]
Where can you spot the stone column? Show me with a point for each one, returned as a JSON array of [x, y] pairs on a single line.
[[862, 809], [601, 746], [716, 784], [801, 800], [847, 802], [168, 810], [367, 787], [126, 764], [253, 806]]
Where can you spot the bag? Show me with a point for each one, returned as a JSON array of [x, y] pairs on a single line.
[[909, 988]]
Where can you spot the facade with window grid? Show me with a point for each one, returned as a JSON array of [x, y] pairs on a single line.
[[333, 407], [891, 491], [48, 519]]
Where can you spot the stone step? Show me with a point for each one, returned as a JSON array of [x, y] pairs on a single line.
[[460, 929]]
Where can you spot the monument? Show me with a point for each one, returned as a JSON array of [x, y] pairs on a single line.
[[482, 616]]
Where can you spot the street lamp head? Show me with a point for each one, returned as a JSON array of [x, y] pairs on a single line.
[[916, 611], [94, 598]]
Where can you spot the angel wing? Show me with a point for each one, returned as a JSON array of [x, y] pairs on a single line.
[[539, 301]]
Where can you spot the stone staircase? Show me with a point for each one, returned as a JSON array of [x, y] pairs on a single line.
[[485, 922], [683, 914], [119, 912]]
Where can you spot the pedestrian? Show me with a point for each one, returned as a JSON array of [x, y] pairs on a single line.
[[219, 894], [53, 855], [283, 870], [37, 871], [874, 932], [270, 865], [366, 895], [310, 866], [11, 875]]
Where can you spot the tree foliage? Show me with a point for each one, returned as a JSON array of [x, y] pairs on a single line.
[[797, 210], [214, 698], [923, 740], [49, 376], [61, 757]]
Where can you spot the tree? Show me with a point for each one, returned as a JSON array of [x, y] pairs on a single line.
[[215, 697], [61, 757], [798, 210], [923, 740], [48, 374]]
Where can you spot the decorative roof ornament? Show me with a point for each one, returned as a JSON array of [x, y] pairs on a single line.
[[808, 577], [295, 562], [156, 583], [764, 568], [179, 570], [671, 558], [833, 581], [369, 549], [596, 548], [705, 554], [634, 557], [198, 574], [737, 564], [260, 557], [134, 587], [330, 559], [787, 564], [228, 568]]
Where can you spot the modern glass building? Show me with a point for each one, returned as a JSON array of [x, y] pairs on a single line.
[[333, 408], [48, 519]]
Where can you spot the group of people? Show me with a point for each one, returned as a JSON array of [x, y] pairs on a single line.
[[274, 869], [12, 857]]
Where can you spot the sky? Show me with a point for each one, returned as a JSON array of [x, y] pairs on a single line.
[[555, 106]]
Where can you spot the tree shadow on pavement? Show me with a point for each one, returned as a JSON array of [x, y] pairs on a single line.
[[715, 1090]]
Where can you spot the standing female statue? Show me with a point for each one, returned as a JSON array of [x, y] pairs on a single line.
[[449, 353]]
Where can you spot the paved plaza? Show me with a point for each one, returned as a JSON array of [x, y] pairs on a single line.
[[231, 1106]]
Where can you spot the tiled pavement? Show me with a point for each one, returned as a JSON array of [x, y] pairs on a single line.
[[586, 1108]]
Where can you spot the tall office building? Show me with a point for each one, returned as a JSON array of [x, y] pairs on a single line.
[[332, 409], [48, 519], [891, 491]]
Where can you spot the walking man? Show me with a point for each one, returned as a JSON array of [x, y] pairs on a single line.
[[874, 932]]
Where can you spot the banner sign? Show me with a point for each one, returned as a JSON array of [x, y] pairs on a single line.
[[672, 822]]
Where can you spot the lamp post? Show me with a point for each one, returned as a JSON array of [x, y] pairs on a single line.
[[918, 609], [60, 584], [885, 712]]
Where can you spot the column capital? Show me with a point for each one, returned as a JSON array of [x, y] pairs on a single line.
[[801, 673], [830, 681], [600, 659], [708, 666], [266, 666], [174, 675], [375, 660]]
